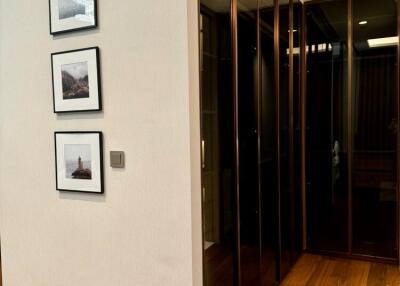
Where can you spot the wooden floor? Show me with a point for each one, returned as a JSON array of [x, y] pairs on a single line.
[[318, 270]]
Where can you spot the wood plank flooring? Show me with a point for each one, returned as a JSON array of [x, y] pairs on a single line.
[[315, 270]]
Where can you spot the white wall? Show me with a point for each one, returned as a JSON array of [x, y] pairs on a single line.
[[141, 231]]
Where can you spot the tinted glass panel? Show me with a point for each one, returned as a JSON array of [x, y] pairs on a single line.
[[374, 127], [326, 149], [285, 133], [268, 143], [217, 143], [289, 104], [248, 170], [296, 117]]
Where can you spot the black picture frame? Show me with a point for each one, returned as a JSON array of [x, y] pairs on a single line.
[[101, 161], [98, 76], [71, 30]]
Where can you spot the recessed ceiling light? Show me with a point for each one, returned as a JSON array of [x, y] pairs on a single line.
[[363, 23]]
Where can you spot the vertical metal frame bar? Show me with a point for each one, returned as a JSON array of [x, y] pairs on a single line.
[[398, 140], [278, 141], [303, 123], [258, 108], [201, 132], [235, 94], [350, 122], [291, 129]]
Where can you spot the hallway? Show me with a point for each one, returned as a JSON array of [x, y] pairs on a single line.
[[315, 270]]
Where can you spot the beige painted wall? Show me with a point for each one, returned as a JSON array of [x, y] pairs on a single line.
[[145, 230]]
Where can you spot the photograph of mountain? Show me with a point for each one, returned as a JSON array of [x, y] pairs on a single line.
[[75, 80]]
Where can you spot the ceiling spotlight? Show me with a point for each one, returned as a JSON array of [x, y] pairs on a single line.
[[363, 23]]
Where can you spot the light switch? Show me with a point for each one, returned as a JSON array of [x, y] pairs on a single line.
[[117, 159]]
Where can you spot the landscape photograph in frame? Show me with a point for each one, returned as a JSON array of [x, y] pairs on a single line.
[[72, 15], [79, 161], [76, 80]]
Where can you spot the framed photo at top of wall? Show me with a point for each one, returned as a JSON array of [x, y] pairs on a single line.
[[72, 15], [79, 161], [76, 80]]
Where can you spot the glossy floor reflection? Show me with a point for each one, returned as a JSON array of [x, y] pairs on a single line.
[[313, 270], [218, 266]]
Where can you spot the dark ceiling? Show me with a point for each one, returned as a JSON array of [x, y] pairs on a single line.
[[381, 17]]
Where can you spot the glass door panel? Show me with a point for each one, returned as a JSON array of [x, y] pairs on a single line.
[[218, 166], [285, 135], [289, 119], [296, 204], [326, 133], [248, 146], [375, 118], [268, 143]]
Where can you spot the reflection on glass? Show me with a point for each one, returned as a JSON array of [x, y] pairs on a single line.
[[248, 171], [286, 191], [217, 143], [326, 104], [268, 150], [374, 127], [297, 232], [289, 132]]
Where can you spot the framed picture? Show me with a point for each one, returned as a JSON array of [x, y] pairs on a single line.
[[79, 161], [72, 15], [76, 80]]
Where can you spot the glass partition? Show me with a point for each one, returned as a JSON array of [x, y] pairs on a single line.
[[326, 131], [375, 127], [261, 100], [295, 115], [218, 167], [289, 133], [248, 146], [285, 136], [268, 143]]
